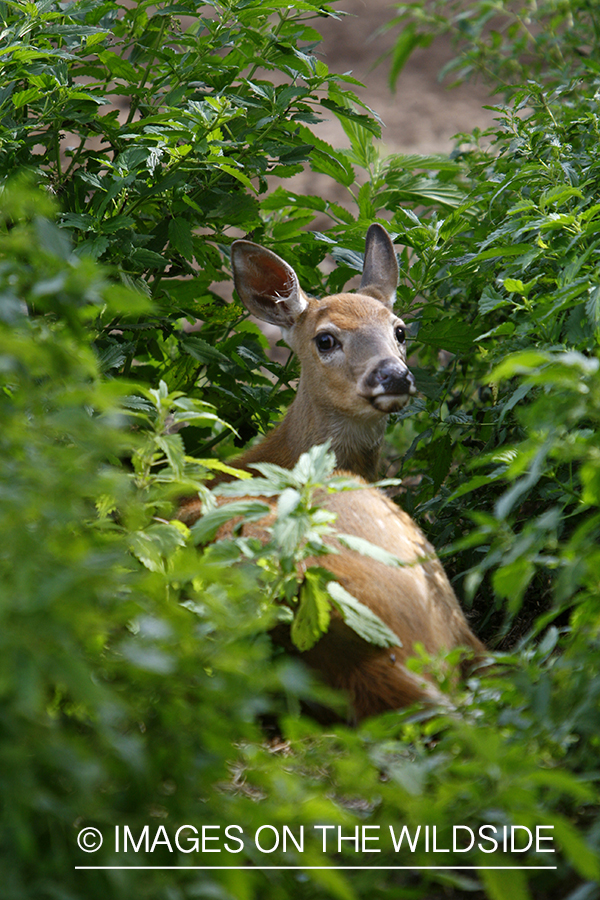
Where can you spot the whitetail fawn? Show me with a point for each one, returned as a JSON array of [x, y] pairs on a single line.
[[352, 350]]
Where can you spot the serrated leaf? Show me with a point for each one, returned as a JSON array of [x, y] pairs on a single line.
[[336, 167], [22, 98], [119, 67], [206, 528], [518, 364], [442, 459], [592, 306], [515, 286], [148, 259], [180, 236], [345, 113], [504, 328], [217, 466], [349, 258], [173, 448], [155, 544], [361, 619], [288, 502], [275, 477], [491, 299], [315, 465], [255, 487], [113, 356], [202, 351], [427, 383], [238, 174], [366, 548], [312, 617], [559, 195], [501, 252], [449, 334]]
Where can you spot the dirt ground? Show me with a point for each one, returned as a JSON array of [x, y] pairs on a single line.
[[422, 115]]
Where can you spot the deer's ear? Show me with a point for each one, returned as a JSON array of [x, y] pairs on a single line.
[[266, 285], [380, 269]]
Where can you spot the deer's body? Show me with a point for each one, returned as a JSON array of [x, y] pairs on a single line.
[[353, 374]]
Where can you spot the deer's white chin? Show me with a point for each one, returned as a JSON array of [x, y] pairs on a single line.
[[389, 403]]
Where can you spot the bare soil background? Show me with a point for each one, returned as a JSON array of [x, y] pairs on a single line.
[[422, 115]]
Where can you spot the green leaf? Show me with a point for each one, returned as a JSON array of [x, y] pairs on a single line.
[[592, 306], [202, 351], [174, 450], [518, 364], [361, 619], [333, 165], [582, 857], [366, 548], [288, 502], [408, 40], [205, 528], [505, 884], [448, 334], [118, 67], [514, 494], [427, 383], [498, 331], [347, 113], [557, 196], [515, 286], [180, 236], [238, 174], [22, 98], [491, 299], [511, 581], [501, 252], [442, 459], [311, 619], [148, 259], [156, 544], [316, 465]]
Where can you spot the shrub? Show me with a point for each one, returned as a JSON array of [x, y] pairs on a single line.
[[135, 668]]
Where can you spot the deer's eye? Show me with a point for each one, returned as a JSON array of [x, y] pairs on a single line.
[[400, 333], [325, 342]]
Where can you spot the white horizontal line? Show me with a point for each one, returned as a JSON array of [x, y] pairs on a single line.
[[335, 868]]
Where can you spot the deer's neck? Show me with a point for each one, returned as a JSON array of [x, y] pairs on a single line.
[[356, 444]]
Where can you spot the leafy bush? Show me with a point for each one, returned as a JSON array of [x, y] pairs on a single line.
[[506, 43], [134, 667]]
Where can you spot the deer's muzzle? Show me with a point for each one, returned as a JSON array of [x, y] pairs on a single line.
[[388, 385]]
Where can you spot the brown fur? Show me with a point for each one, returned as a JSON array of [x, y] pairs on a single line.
[[336, 401]]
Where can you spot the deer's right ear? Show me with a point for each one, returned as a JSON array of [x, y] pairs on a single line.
[[380, 272], [266, 285]]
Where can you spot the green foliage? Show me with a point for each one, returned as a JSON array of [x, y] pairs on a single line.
[[284, 553], [157, 129], [506, 42], [135, 664]]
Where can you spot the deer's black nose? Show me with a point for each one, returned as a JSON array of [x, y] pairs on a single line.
[[392, 376]]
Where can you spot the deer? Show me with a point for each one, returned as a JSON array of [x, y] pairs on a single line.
[[353, 374]]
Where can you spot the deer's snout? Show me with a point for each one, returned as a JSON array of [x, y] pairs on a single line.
[[388, 385]]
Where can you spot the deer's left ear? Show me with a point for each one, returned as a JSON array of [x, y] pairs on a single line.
[[380, 269], [266, 285]]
